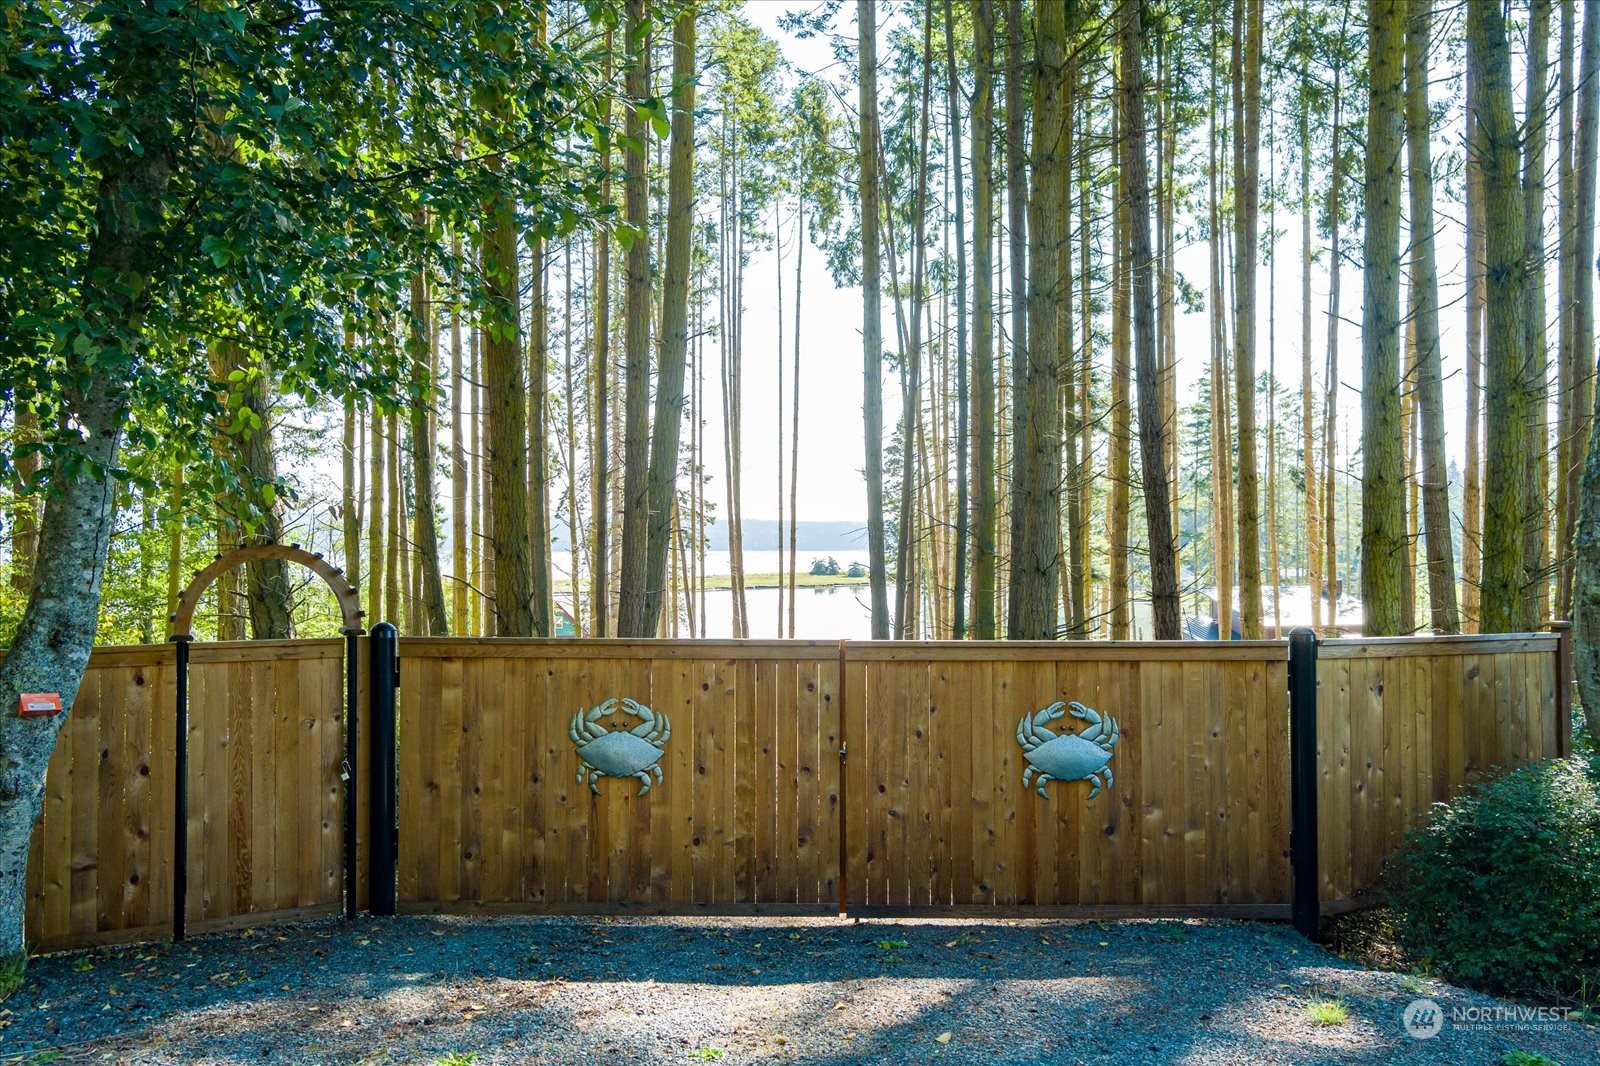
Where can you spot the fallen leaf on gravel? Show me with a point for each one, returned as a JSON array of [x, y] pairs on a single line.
[[840, 1005], [943, 1038]]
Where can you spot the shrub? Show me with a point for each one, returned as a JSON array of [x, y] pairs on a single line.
[[1501, 889]]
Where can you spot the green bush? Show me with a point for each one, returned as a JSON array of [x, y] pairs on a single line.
[[1501, 889]]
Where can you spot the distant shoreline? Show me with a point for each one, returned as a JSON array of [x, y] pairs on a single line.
[[722, 582]]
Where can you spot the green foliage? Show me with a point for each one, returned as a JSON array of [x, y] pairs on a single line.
[[1327, 1012], [1501, 889], [457, 1058], [1527, 1058], [12, 969], [183, 176], [707, 1054], [825, 567]]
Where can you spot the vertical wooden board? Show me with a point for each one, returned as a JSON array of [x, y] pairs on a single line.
[[1157, 778], [1006, 783], [944, 716], [915, 801], [677, 681], [1476, 709], [1419, 759], [363, 718], [798, 822], [1366, 750], [111, 857], [830, 770], [1338, 798], [979, 736], [211, 739], [460, 690], [1082, 846], [1275, 783], [416, 742], [521, 710], [85, 826], [1510, 696], [1190, 723], [138, 711], [602, 686], [261, 693], [60, 788], [955, 694], [163, 761], [1113, 833], [469, 842], [309, 757], [760, 718], [265, 868], [877, 746], [1546, 705], [790, 681], [738, 756], [1444, 709], [641, 857], [1243, 686], [547, 733], [1040, 820], [1223, 750], [859, 786], [706, 698], [1389, 795], [567, 805], [498, 726], [332, 784]]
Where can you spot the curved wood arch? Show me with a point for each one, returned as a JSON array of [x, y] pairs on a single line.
[[349, 601]]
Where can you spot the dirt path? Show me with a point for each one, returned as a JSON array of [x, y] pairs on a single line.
[[580, 990]]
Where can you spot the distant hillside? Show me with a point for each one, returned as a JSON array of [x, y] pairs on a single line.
[[762, 535]]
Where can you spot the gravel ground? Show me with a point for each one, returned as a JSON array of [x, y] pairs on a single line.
[[588, 990]]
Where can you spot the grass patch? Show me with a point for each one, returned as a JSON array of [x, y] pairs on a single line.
[[12, 969], [1327, 1012], [707, 1054], [457, 1058], [1526, 1058]]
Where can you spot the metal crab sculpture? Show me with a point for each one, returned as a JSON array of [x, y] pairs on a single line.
[[634, 753], [1053, 756]]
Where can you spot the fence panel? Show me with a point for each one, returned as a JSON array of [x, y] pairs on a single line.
[[1404, 723], [264, 792], [1197, 816], [745, 813]]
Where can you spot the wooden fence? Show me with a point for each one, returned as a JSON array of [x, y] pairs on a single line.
[[1403, 723], [878, 777], [1197, 816], [492, 812], [264, 792]]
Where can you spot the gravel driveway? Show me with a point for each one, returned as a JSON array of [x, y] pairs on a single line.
[[586, 990]]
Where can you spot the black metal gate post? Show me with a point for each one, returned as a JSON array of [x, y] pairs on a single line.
[[1306, 879], [180, 793], [352, 701], [385, 651]]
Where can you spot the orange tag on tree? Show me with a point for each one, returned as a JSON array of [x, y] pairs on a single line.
[[38, 704]]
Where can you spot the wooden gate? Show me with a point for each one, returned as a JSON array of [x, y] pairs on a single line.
[[492, 813], [265, 797], [1197, 817]]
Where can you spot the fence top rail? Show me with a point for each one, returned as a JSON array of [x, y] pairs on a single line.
[[1068, 650], [233, 651], [612, 648], [1465, 644]]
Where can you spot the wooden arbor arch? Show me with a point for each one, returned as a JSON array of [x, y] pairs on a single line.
[[182, 625], [182, 619]]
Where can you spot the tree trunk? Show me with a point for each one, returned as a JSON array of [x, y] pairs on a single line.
[[794, 432], [633, 611], [507, 415], [1586, 566], [1308, 455], [461, 578], [1510, 408], [1152, 431], [872, 315], [1017, 246], [433, 620], [1330, 404], [662, 490], [1535, 136], [1120, 445], [600, 371], [1383, 532], [1425, 304], [1247, 200], [1567, 362], [25, 514], [1472, 474], [962, 457], [984, 502], [50, 649], [1036, 471]]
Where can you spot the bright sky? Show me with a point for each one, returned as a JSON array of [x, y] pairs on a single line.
[[832, 449]]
